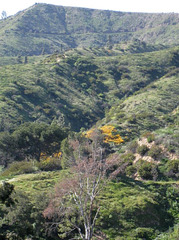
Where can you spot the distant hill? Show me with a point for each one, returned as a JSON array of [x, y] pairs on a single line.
[[44, 29]]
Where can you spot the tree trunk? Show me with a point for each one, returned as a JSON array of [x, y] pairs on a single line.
[[88, 234]]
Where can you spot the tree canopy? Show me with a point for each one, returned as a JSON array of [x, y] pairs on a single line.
[[29, 141]]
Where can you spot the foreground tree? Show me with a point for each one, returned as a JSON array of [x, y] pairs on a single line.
[[75, 206]]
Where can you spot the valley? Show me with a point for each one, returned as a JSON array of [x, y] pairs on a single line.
[[89, 137]]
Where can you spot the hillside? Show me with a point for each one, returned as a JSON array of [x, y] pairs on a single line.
[[132, 86], [135, 210], [44, 29], [78, 87], [89, 137]]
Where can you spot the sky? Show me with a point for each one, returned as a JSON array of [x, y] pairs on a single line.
[[151, 6]]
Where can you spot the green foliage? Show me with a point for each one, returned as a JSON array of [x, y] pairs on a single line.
[[148, 107], [146, 170], [125, 164], [173, 165], [30, 140], [67, 154], [133, 145], [40, 92], [154, 152], [144, 233], [150, 136], [128, 157], [24, 219], [35, 183], [135, 210], [6, 189], [169, 138], [142, 150], [50, 164], [129, 208], [45, 28], [172, 168], [130, 170], [132, 85], [17, 168], [172, 234]]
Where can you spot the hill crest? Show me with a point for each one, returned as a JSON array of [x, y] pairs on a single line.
[[46, 28]]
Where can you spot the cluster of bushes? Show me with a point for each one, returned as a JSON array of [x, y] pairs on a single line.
[[147, 207], [171, 169], [29, 141], [166, 169], [170, 235], [150, 136], [50, 164], [157, 169], [17, 168], [147, 170], [23, 220], [142, 150], [154, 151], [24, 167]]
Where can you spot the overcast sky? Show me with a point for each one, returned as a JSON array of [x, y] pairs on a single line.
[[13, 6]]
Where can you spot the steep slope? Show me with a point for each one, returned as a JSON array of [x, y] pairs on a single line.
[[151, 108], [77, 88], [47, 28]]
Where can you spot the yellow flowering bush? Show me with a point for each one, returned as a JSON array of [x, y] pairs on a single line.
[[110, 134], [49, 163], [43, 156]]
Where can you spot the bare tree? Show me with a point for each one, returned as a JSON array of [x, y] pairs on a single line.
[[75, 206]]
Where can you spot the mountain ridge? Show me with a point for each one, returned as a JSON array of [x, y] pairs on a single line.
[[45, 28]]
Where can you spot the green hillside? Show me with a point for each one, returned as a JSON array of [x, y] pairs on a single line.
[[78, 87], [44, 29], [135, 210], [89, 137], [149, 109]]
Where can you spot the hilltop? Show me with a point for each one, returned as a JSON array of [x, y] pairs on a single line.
[[45, 28]]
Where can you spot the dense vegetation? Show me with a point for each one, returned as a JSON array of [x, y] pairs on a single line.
[[89, 142], [95, 80], [44, 28]]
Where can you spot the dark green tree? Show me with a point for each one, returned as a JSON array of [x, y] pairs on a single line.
[[7, 148], [29, 141], [32, 139], [25, 60], [19, 59], [6, 190]]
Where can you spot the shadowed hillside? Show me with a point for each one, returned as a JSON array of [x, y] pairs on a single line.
[[77, 88]]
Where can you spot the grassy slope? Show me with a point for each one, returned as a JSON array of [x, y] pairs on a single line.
[[32, 184], [78, 86], [121, 77], [126, 214], [46, 28], [30, 92], [150, 109]]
